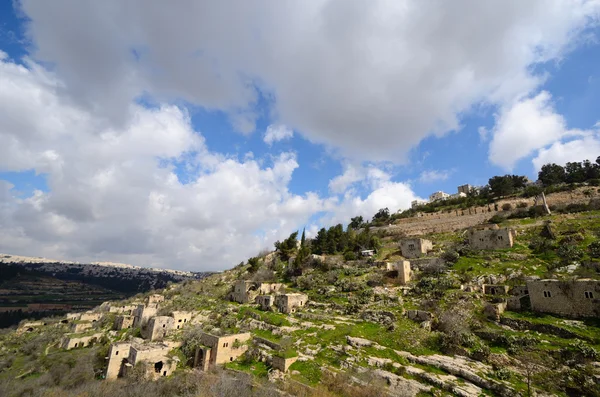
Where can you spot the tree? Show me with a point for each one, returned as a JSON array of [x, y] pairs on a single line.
[[356, 222], [381, 216], [552, 174], [254, 264], [287, 248], [574, 172], [501, 185], [303, 252]]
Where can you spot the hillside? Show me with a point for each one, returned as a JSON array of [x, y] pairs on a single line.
[[34, 287], [506, 310]]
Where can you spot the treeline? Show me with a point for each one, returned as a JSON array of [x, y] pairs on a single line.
[[332, 241], [575, 172]]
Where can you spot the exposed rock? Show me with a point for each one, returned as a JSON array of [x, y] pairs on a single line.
[[359, 342]]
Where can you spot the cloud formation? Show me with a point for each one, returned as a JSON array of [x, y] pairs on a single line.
[[370, 78], [431, 176], [276, 133]]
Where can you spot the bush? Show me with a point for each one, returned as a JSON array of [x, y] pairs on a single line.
[[570, 253], [519, 214], [536, 211], [496, 219], [594, 249], [450, 256], [522, 204], [540, 245], [349, 256], [506, 207]]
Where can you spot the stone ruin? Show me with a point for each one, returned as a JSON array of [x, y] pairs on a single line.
[[288, 303], [490, 237], [123, 356], [158, 328], [123, 322], [245, 291], [415, 247], [70, 341], [216, 350], [403, 269], [571, 298]]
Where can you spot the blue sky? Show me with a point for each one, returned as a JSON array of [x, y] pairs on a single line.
[[151, 124]]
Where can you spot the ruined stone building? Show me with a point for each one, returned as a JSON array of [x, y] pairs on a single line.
[[158, 327], [80, 327], [90, 316], [122, 309], [155, 299], [181, 318], [490, 289], [217, 350], [142, 314], [288, 303], [154, 357], [415, 247], [403, 269], [571, 298], [246, 291], [265, 302], [123, 322], [490, 237], [70, 341]]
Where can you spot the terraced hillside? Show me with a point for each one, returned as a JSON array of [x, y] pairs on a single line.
[[465, 323]]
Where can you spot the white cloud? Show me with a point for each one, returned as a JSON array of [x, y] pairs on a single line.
[[370, 77], [528, 125], [576, 150], [276, 133], [369, 175], [115, 193], [431, 176]]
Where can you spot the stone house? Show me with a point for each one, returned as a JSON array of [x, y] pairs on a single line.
[[282, 364], [123, 309], [29, 326], [142, 313], [571, 298], [158, 327], [287, 303], [90, 316], [125, 355], [265, 302], [80, 327], [70, 341], [415, 247], [490, 237], [218, 350], [490, 289], [123, 322], [181, 318], [439, 195], [245, 291], [403, 269], [519, 298], [155, 299]]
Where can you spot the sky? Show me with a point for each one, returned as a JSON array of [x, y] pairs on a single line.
[[194, 134]]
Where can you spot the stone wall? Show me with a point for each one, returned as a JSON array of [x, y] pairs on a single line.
[[282, 364], [491, 239], [155, 299], [116, 354], [493, 289], [457, 220], [80, 327], [90, 316], [265, 302], [142, 314], [576, 298], [124, 309], [73, 341]]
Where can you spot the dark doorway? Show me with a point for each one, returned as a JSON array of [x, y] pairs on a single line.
[[158, 367]]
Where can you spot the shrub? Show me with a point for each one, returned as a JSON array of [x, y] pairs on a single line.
[[506, 207], [536, 211], [349, 256], [570, 253], [540, 245], [450, 256], [519, 214], [594, 249], [522, 204], [496, 219]]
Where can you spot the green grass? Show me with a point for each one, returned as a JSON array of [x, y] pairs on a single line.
[[256, 368], [310, 372]]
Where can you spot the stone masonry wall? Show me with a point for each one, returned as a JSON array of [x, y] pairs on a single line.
[[577, 298]]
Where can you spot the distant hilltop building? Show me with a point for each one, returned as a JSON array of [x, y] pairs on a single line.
[[466, 189], [439, 195]]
